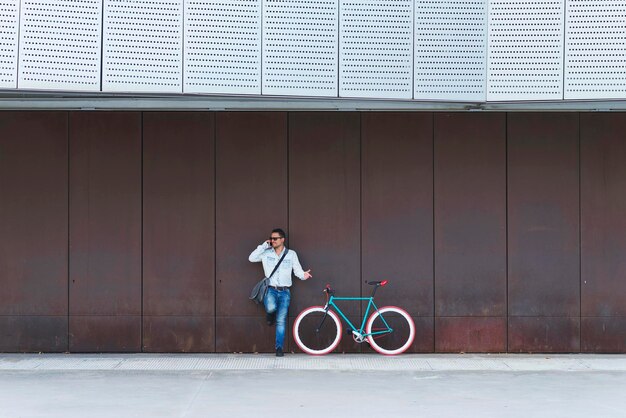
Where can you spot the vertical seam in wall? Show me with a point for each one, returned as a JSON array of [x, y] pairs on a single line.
[[214, 231], [288, 177], [68, 232], [288, 330], [506, 222], [361, 212], [580, 243], [433, 231], [142, 226]]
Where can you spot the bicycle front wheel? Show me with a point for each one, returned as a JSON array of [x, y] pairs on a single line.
[[399, 339], [317, 331]]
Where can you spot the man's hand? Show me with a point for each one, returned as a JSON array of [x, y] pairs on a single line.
[[307, 274]]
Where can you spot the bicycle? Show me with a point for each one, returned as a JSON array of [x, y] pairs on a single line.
[[316, 335]]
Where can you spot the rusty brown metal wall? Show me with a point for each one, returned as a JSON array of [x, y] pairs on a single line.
[[178, 232], [130, 231], [397, 214], [470, 232], [603, 232], [543, 233], [324, 208], [33, 231], [251, 193], [105, 231]]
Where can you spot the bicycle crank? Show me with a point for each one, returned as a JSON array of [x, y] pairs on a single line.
[[357, 337]]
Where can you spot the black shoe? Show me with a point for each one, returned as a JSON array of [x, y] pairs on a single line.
[[279, 352], [270, 318]]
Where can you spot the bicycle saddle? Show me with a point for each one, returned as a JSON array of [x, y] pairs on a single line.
[[379, 283]]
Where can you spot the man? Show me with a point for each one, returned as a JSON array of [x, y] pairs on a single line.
[[278, 294]]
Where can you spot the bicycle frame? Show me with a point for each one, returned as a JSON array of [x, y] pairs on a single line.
[[360, 331]]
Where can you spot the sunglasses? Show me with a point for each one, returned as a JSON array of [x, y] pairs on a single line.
[[275, 238]]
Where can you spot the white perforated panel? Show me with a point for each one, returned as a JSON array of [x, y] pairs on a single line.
[[223, 46], [376, 48], [300, 47], [450, 50], [9, 14], [525, 50], [143, 46], [60, 44], [595, 56]]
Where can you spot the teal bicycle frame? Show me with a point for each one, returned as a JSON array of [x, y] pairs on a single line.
[[359, 331]]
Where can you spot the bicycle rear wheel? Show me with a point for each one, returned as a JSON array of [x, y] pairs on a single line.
[[315, 336], [397, 341]]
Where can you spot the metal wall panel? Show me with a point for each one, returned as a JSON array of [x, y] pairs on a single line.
[[246, 334], [300, 47], [324, 205], [178, 334], [376, 48], [544, 334], [470, 335], [142, 46], [603, 205], [595, 49], [105, 231], [178, 230], [543, 214], [397, 213], [450, 49], [470, 232], [251, 200], [603, 335], [105, 334], [9, 30], [33, 334], [60, 43], [222, 46], [33, 204], [526, 39], [470, 214], [543, 232]]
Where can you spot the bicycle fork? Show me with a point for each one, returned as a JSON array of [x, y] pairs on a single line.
[[317, 330]]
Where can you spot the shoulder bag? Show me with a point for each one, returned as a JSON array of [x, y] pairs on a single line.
[[260, 289]]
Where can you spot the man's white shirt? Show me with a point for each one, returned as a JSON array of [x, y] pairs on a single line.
[[282, 277]]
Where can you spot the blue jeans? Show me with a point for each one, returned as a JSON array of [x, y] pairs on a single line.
[[278, 301]]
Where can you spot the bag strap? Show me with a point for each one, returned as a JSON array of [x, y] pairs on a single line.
[[279, 261]]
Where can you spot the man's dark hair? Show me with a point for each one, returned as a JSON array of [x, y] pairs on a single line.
[[279, 232]]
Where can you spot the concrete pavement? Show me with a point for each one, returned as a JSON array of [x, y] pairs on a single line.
[[261, 385]]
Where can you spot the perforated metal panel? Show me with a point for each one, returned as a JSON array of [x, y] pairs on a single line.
[[595, 56], [300, 40], [450, 49], [9, 18], [525, 50], [143, 46], [223, 46], [376, 48], [59, 45]]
